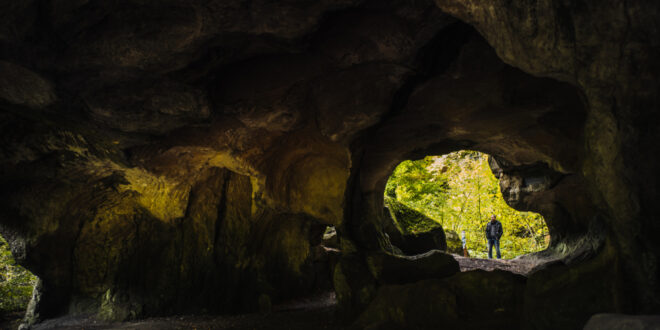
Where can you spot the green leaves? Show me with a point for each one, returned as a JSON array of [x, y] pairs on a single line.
[[459, 191], [15, 282]]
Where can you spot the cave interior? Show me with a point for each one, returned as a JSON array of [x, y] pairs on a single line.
[[169, 158]]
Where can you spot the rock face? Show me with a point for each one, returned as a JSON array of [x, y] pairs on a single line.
[[187, 156], [411, 231], [470, 300], [620, 321], [393, 269], [454, 243]]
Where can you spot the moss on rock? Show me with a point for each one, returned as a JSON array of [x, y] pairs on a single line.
[[454, 244], [408, 220]]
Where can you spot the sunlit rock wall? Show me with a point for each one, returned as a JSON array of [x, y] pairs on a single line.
[[186, 156]]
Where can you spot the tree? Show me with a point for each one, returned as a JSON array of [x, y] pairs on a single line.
[[459, 191]]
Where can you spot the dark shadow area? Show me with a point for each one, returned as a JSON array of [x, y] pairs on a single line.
[[317, 312]]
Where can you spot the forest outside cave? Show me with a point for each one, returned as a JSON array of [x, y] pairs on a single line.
[[459, 192]]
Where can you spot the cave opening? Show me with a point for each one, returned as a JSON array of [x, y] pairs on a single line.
[[184, 157], [458, 193]]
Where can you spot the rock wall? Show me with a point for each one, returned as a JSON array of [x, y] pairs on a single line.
[[605, 49], [187, 156]]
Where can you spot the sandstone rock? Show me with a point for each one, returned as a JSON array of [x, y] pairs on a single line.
[[393, 269], [146, 106], [471, 300], [425, 304], [590, 287], [413, 232], [622, 321], [161, 159], [354, 285], [454, 243], [21, 86]]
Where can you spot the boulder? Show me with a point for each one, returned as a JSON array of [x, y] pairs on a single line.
[[393, 269], [354, 286], [469, 300], [454, 243], [415, 232], [421, 305]]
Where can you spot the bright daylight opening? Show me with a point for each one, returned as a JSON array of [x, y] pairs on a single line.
[[459, 192]]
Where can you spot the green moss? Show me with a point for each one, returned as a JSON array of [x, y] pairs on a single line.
[[15, 282], [454, 244], [407, 220]]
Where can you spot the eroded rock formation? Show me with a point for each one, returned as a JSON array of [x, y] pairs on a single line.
[[188, 155]]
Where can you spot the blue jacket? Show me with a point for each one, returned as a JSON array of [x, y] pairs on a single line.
[[497, 228]]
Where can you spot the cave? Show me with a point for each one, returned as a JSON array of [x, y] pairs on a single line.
[[187, 157]]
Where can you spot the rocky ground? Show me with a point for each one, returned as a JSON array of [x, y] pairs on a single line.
[[311, 313], [518, 266]]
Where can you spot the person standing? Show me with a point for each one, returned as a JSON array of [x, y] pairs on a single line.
[[464, 240], [493, 235]]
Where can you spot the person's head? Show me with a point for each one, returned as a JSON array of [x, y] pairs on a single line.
[[493, 217]]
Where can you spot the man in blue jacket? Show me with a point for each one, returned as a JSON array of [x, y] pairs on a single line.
[[493, 235]]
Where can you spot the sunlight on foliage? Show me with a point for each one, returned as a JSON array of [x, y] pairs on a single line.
[[459, 191], [15, 282]]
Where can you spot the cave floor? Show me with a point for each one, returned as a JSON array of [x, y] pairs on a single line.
[[311, 313], [308, 313]]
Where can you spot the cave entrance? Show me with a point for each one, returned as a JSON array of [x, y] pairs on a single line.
[[16, 285], [458, 193]]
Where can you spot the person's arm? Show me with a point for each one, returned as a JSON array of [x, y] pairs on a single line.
[[500, 232]]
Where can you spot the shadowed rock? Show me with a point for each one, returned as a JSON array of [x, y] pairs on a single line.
[[622, 321], [393, 269], [182, 157]]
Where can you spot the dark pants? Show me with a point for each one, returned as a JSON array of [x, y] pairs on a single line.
[[496, 242]]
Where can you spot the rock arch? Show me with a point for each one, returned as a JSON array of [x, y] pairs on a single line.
[[184, 156]]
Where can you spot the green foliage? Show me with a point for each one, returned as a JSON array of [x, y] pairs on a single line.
[[15, 282], [408, 220], [412, 184], [459, 191]]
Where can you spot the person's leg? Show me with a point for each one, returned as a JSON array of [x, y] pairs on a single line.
[[490, 249], [497, 248]]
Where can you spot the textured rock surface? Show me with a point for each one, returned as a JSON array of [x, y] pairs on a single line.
[[454, 244], [470, 300], [604, 48], [186, 156], [410, 231], [393, 269], [621, 321]]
